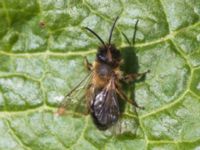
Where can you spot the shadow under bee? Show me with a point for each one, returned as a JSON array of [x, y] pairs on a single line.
[[130, 65]]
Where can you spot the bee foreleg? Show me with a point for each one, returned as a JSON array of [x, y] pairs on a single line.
[[124, 97], [133, 76], [87, 64]]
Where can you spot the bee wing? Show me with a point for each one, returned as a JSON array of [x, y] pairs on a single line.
[[105, 108], [75, 99]]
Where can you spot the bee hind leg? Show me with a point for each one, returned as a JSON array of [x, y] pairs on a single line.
[[87, 64], [124, 97], [133, 76]]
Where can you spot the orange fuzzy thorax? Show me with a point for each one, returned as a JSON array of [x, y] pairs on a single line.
[[102, 78]]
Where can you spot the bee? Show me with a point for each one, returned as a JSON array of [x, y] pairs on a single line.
[[104, 88]]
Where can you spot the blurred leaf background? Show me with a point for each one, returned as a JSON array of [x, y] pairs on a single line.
[[42, 46]]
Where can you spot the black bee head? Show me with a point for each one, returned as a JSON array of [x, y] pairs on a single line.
[[108, 54]]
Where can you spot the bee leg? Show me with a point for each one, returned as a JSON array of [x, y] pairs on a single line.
[[87, 64], [124, 97], [133, 76]]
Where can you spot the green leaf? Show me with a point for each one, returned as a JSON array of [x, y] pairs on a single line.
[[42, 48]]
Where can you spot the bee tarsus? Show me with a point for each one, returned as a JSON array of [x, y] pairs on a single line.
[[131, 101], [133, 76]]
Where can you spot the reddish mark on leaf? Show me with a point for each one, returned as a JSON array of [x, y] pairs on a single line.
[[60, 111], [42, 24]]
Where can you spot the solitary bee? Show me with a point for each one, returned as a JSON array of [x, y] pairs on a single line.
[[104, 87]]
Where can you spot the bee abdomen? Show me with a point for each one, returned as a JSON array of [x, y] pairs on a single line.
[[105, 109]]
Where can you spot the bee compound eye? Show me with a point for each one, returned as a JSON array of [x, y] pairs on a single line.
[[101, 57]]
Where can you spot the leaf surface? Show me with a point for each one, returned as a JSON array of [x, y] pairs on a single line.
[[42, 48]]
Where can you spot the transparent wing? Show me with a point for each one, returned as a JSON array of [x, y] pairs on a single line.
[[105, 107], [75, 100]]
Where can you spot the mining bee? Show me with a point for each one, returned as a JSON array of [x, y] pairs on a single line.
[[104, 89]]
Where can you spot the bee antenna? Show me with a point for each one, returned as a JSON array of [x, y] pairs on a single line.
[[111, 31], [95, 35], [135, 30]]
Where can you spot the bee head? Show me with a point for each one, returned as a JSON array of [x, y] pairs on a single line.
[[107, 53]]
